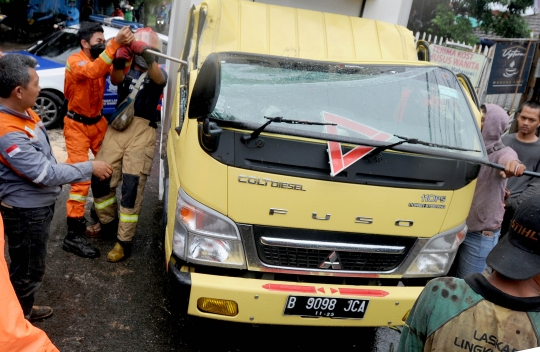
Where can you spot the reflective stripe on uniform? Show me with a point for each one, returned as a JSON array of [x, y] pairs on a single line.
[[77, 197], [68, 67], [129, 217], [106, 57], [43, 173], [105, 203]]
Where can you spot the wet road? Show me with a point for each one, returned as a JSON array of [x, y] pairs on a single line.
[[101, 306]]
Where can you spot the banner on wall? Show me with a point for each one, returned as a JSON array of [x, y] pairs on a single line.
[[507, 62], [458, 61]]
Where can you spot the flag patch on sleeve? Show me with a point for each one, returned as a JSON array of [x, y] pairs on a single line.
[[13, 150]]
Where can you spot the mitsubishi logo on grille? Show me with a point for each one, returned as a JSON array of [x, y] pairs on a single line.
[[331, 261]]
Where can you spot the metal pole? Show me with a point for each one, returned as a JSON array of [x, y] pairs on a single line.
[[157, 53], [500, 167]]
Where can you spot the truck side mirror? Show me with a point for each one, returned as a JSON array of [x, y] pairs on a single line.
[[422, 50], [206, 90], [209, 135]]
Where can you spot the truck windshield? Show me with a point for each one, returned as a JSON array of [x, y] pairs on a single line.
[[365, 101]]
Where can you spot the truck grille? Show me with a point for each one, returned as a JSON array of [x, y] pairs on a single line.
[[314, 258]]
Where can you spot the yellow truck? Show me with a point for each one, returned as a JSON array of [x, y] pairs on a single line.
[[317, 172]]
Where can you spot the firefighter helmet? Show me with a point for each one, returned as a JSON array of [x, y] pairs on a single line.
[[150, 37]]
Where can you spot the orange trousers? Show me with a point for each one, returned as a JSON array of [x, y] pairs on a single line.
[[79, 139], [16, 333]]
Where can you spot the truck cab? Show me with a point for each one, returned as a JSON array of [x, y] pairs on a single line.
[[317, 173]]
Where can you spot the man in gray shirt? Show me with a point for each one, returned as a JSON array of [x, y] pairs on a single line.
[[30, 179], [527, 146]]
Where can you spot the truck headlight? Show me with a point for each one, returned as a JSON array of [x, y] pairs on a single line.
[[437, 255], [204, 236]]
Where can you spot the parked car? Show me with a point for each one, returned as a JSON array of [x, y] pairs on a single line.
[[51, 54]]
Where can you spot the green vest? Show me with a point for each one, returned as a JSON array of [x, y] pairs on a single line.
[[450, 316]]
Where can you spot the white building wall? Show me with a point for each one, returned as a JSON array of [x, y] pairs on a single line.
[[393, 11], [342, 7]]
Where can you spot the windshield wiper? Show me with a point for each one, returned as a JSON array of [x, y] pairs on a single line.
[[279, 119], [374, 156], [417, 141]]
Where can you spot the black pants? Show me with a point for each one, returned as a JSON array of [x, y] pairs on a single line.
[[27, 230]]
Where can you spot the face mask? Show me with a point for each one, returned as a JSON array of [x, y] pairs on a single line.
[[140, 61], [97, 49]]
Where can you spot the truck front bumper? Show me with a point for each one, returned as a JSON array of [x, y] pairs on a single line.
[[263, 301]]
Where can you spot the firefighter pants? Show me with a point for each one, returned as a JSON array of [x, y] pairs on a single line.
[[79, 138], [130, 152]]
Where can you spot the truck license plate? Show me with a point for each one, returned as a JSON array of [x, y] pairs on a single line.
[[326, 307]]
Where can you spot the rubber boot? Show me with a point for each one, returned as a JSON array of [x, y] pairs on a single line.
[[98, 229], [120, 251], [94, 229], [75, 241]]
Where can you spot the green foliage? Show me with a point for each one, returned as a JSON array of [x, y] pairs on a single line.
[[507, 24], [434, 16], [422, 12], [446, 24], [516, 6], [510, 26]]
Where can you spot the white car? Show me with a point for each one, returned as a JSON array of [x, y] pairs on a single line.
[[51, 54]]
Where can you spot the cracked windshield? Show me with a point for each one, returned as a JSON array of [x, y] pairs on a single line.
[[364, 102]]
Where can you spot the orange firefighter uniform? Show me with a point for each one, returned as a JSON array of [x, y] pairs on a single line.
[[84, 127], [16, 333]]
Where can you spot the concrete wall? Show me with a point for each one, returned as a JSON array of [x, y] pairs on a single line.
[[342, 7], [393, 11]]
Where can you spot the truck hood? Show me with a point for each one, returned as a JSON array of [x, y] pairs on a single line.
[[284, 201]]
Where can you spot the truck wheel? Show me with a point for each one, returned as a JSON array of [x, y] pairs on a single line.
[[48, 106]]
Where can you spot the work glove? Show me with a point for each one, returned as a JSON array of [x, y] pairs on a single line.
[[123, 54], [138, 46], [148, 57]]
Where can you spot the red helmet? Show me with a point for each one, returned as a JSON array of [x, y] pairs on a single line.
[[150, 37]]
